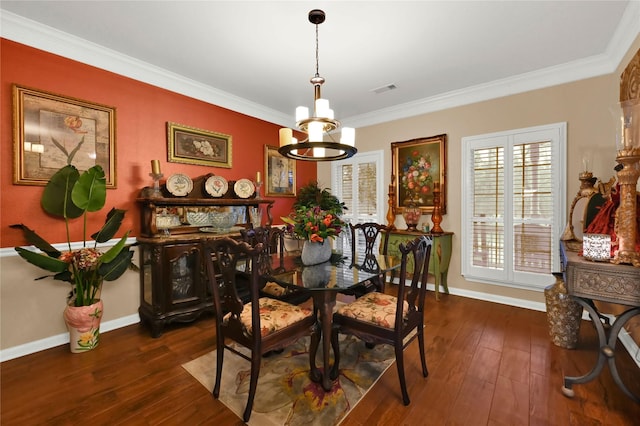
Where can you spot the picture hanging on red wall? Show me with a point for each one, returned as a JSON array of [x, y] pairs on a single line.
[[51, 131], [189, 145]]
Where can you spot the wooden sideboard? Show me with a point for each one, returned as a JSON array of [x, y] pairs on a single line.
[[173, 285], [587, 281], [440, 254]]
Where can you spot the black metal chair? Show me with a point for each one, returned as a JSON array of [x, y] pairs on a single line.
[[378, 318], [262, 325]]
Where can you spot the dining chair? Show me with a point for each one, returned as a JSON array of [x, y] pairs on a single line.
[[273, 240], [262, 325], [378, 318], [373, 234]]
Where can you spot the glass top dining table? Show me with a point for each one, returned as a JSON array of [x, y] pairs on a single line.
[[324, 282]]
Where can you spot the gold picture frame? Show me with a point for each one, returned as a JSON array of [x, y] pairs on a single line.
[[189, 145], [280, 174], [418, 165], [51, 131]]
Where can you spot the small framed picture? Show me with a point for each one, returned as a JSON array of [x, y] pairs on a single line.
[[281, 173], [188, 145], [51, 131], [419, 165]]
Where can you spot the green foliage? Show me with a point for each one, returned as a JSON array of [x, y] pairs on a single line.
[[311, 195], [69, 195]]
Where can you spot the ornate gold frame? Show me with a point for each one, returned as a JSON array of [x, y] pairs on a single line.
[[189, 145], [65, 131]]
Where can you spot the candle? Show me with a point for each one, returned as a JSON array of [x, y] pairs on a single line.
[[155, 167], [258, 177]]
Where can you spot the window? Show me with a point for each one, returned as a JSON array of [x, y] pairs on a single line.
[[513, 205], [358, 182]]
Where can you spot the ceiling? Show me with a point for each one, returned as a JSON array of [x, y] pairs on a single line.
[[257, 57]]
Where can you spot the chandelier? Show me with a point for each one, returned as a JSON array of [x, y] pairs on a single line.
[[321, 123]]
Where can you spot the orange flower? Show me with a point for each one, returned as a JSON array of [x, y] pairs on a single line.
[[316, 238]]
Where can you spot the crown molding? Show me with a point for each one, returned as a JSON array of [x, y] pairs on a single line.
[[594, 66], [34, 34], [31, 33]]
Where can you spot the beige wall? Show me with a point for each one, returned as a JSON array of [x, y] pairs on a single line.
[[584, 105]]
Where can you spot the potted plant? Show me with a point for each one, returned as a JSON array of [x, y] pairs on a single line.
[[315, 219], [70, 195]]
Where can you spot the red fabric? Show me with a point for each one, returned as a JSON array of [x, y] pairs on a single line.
[[604, 221]]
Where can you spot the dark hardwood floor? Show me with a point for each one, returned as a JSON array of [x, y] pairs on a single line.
[[489, 364]]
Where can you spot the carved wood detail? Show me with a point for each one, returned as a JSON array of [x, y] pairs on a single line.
[[630, 79]]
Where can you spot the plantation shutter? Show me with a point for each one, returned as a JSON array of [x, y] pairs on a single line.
[[513, 205]]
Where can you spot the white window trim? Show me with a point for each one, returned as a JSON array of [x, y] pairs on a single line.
[[557, 133], [376, 157]]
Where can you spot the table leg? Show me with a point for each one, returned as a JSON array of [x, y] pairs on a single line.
[[323, 302], [606, 352]]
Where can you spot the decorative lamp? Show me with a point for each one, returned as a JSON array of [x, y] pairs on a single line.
[[322, 122], [596, 247], [628, 145]]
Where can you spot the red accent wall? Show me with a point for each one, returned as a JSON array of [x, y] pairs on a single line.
[[142, 111]]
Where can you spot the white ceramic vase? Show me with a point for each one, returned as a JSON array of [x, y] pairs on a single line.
[[314, 253]]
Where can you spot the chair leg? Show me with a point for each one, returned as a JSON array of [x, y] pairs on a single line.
[[253, 383], [400, 364], [423, 358], [219, 361]]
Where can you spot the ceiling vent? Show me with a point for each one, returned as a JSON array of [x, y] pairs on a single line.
[[385, 88]]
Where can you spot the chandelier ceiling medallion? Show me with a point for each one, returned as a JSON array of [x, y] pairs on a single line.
[[321, 123]]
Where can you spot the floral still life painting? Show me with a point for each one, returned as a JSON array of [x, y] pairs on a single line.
[[189, 145], [419, 165]]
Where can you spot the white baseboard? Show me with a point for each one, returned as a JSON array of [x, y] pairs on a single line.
[[61, 339]]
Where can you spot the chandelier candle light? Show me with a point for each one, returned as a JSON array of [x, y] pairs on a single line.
[[314, 148]]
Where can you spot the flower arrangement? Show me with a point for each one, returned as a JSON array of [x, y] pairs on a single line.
[[70, 195], [313, 223], [416, 175]]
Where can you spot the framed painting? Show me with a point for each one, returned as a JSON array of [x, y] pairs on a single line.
[[189, 145], [51, 131], [281, 173], [418, 166]]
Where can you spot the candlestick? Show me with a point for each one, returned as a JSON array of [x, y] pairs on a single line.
[[155, 192]]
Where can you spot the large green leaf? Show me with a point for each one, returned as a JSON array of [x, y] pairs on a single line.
[[56, 198], [114, 269], [42, 261], [110, 227], [37, 240], [90, 192], [111, 254]]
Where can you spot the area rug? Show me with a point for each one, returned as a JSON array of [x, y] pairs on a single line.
[[285, 395]]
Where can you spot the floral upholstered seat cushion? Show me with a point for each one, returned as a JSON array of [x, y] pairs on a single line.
[[274, 315], [374, 307]]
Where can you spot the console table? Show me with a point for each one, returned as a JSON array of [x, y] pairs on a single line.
[[587, 281], [440, 254]]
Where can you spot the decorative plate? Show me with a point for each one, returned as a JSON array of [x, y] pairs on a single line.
[[244, 188], [216, 186], [179, 185]]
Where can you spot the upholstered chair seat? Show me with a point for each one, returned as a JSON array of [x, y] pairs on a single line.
[[376, 308], [274, 316]]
